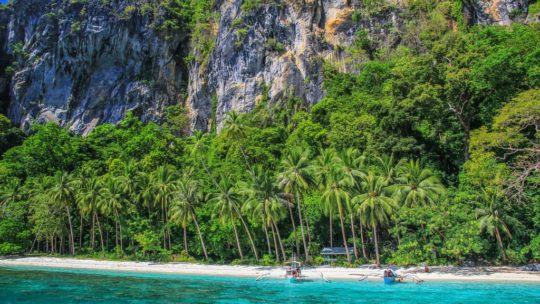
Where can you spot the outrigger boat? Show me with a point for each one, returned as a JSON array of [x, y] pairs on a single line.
[[390, 277], [293, 272]]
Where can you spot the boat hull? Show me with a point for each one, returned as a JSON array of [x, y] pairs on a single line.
[[389, 280]]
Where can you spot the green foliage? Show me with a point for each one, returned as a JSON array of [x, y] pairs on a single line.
[[273, 45], [9, 135], [427, 151]]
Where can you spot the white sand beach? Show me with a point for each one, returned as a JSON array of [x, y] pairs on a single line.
[[500, 274]]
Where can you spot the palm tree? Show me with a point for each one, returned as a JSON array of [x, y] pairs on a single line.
[[199, 150], [322, 168], [388, 168], [134, 180], [63, 194], [417, 186], [161, 191], [183, 208], [296, 178], [235, 129], [87, 203], [374, 205], [493, 218], [351, 163], [336, 194], [10, 192], [112, 199], [267, 203], [227, 201]]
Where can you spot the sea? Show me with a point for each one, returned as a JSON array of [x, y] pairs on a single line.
[[22, 284]]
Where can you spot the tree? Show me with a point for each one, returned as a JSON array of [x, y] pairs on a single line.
[[417, 186], [352, 165], [336, 194], [199, 150], [493, 218], [88, 204], [63, 194], [295, 178], [10, 192], [161, 191], [374, 205], [512, 140], [227, 202], [267, 203], [183, 212], [235, 129], [10, 136], [112, 200], [322, 168]]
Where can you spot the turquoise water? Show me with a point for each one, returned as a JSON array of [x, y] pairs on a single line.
[[45, 285]]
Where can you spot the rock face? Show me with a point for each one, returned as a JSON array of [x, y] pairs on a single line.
[[85, 62], [276, 49], [501, 12]]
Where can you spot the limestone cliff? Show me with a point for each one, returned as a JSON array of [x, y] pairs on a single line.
[[85, 62], [276, 49], [82, 63]]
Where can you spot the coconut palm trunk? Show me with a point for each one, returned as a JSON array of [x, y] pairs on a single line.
[[119, 224], [331, 230], [280, 242], [71, 242], [376, 239], [249, 235], [238, 242], [354, 236], [200, 236], [100, 233], [294, 230], [80, 231], [362, 241], [265, 228], [343, 232], [276, 249], [184, 235], [500, 243], [306, 253], [93, 229]]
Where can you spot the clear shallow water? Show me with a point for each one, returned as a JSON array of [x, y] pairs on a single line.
[[45, 285]]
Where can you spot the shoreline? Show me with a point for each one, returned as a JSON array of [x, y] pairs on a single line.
[[457, 274]]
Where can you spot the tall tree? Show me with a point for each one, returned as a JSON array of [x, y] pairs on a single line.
[[112, 200], [162, 189], [417, 186], [189, 195], [322, 168], [63, 193], [267, 203], [296, 178], [227, 200], [352, 165], [494, 219], [375, 205], [336, 193], [87, 203], [235, 130]]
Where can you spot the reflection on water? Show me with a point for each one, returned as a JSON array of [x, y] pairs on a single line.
[[40, 285]]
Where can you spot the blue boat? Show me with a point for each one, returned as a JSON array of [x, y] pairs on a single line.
[[389, 280], [389, 276]]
